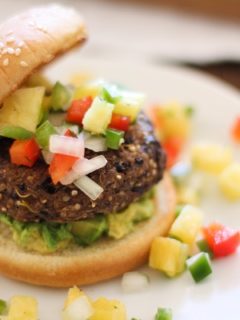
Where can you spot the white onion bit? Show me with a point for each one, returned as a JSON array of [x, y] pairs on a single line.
[[69, 146], [83, 167], [89, 187], [95, 143], [79, 309], [134, 281]]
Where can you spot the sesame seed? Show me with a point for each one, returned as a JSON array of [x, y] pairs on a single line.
[[74, 193], [10, 40], [5, 62], [31, 24], [118, 176], [10, 50], [18, 52], [23, 64], [2, 45]]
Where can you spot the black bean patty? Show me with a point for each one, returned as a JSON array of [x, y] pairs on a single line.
[[27, 194]]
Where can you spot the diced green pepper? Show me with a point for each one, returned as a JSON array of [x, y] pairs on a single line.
[[60, 96], [204, 247], [114, 138], [110, 93], [3, 306], [14, 132], [43, 134], [163, 314], [199, 266]]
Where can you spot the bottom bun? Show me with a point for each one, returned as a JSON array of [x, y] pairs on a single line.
[[103, 260]]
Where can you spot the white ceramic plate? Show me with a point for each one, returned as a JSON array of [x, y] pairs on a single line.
[[216, 106]]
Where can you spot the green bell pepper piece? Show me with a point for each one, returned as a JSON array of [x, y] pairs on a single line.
[[114, 138]]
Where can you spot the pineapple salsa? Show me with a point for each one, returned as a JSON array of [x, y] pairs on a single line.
[[59, 122]]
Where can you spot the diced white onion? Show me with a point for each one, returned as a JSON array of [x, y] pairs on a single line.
[[89, 187], [96, 144], [134, 281], [79, 309], [47, 156], [83, 167], [69, 146], [69, 178]]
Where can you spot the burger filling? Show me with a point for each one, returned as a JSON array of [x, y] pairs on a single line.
[[71, 156], [50, 237]]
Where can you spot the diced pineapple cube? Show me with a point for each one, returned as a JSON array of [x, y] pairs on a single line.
[[187, 225], [98, 116], [174, 121], [229, 181], [129, 104], [23, 308], [23, 108], [210, 157], [73, 294], [92, 89], [168, 255], [108, 310], [188, 195]]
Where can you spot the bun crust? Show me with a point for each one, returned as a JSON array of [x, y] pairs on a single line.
[[104, 260], [34, 38]]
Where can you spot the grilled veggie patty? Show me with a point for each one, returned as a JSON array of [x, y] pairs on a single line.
[[27, 194]]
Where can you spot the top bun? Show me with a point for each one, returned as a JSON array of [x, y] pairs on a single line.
[[33, 38]]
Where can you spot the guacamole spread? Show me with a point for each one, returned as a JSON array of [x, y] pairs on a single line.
[[51, 237]]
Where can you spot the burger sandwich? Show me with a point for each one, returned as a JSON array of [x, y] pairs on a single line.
[[82, 185]]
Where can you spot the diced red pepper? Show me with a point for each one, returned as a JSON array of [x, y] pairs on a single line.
[[235, 131], [61, 164], [24, 152], [173, 147], [222, 240], [78, 109], [119, 122]]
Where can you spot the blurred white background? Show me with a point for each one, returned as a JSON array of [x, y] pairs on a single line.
[[138, 32]]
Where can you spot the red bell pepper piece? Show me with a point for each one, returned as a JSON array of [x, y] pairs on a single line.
[[78, 109], [119, 122], [235, 130], [222, 240], [24, 152], [173, 147], [61, 164]]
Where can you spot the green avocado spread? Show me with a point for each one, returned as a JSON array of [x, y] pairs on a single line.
[[51, 237]]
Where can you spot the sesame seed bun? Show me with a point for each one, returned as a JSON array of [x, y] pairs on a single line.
[[32, 39], [103, 260]]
